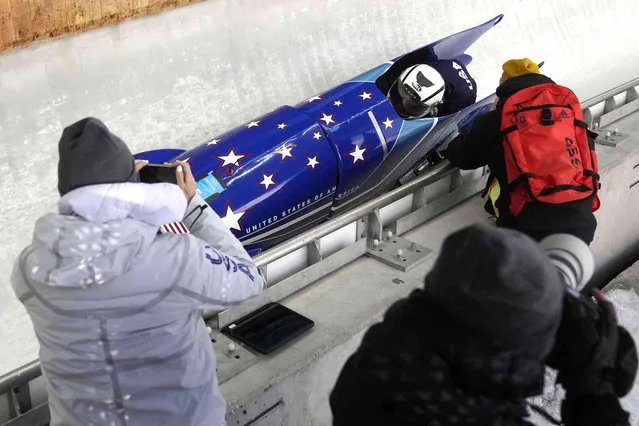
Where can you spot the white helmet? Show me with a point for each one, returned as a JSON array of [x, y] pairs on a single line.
[[421, 89]]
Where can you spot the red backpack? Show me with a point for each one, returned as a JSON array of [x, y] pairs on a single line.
[[549, 155]]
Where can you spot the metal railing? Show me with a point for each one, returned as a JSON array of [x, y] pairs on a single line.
[[32, 370], [612, 110], [19, 376], [588, 103], [322, 230]]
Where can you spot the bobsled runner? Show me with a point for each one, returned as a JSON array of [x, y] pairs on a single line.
[[288, 170]]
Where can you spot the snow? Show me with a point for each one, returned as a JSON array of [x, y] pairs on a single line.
[[179, 78], [627, 306]]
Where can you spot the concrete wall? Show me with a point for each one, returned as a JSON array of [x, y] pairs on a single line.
[[25, 21], [305, 393], [616, 242]]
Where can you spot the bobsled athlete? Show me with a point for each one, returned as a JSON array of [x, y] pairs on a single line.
[[470, 346], [116, 303], [429, 90], [550, 189]]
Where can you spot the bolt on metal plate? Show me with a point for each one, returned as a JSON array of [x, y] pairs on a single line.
[[398, 252], [232, 358], [610, 137]]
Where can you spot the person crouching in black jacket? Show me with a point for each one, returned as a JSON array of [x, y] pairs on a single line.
[[469, 347], [482, 145]]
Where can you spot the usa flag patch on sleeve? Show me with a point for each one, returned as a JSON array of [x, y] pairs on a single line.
[[174, 228]]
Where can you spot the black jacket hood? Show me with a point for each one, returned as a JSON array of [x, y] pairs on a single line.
[[515, 84]]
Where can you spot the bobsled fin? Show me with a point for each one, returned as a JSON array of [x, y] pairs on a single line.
[[451, 47], [465, 59], [457, 44]]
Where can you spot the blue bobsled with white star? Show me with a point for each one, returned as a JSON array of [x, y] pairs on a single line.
[[288, 170]]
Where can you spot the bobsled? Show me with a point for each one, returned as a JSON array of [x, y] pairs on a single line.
[[288, 170]]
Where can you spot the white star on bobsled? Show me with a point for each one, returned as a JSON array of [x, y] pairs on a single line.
[[281, 125], [253, 124], [186, 160], [317, 136], [338, 103], [328, 119], [388, 123], [232, 219], [357, 154], [285, 151], [267, 180], [312, 162], [314, 98], [365, 95], [213, 142], [231, 158]]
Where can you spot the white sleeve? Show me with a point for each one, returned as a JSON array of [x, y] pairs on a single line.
[[222, 272], [205, 224]]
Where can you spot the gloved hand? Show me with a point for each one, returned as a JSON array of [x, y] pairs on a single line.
[[495, 102], [593, 355]]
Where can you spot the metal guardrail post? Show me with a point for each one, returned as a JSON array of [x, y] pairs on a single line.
[[20, 375], [612, 111]]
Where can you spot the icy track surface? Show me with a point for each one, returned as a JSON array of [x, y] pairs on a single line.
[[176, 79]]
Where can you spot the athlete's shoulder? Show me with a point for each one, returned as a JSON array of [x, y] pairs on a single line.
[[447, 64]]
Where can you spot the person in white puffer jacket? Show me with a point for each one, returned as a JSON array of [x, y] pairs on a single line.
[[117, 305]]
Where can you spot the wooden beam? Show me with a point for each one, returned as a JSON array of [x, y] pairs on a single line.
[[21, 16], [155, 6], [126, 8], [61, 17], [111, 12], [7, 35], [24, 21], [93, 17], [41, 18]]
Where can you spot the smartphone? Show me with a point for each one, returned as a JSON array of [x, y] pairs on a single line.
[[268, 328], [208, 185], [156, 173]]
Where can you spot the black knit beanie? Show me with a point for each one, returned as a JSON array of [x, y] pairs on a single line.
[[90, 154], [501, 284]]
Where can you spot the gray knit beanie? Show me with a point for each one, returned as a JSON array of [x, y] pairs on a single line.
[[90, 154], [500, 283]]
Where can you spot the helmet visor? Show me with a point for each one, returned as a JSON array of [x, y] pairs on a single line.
[[411, 101]]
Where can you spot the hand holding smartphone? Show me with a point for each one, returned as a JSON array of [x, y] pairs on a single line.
[[178, 173], [157, 173], [185, 180]]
